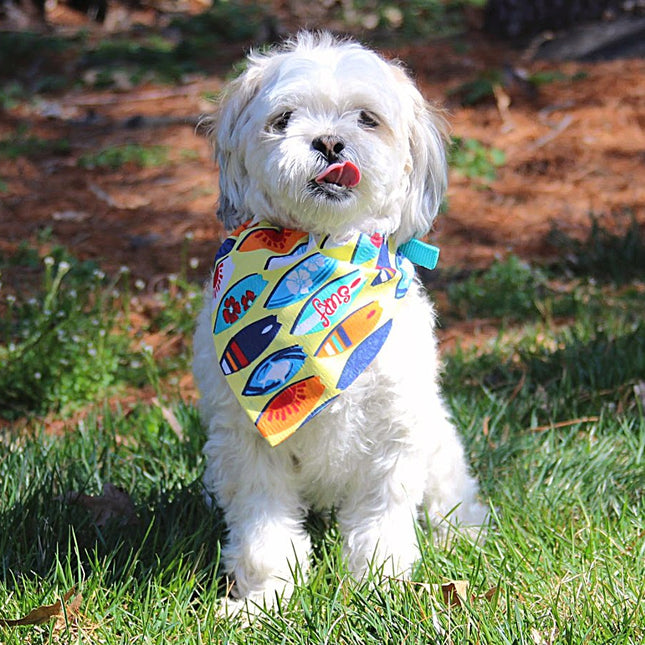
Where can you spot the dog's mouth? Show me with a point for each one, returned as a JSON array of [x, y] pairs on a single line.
[[344, 174], [337, 180]]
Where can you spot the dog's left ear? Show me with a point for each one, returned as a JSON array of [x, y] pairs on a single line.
[[427, 135]]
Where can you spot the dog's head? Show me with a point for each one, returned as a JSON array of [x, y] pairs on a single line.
[[326, 136]]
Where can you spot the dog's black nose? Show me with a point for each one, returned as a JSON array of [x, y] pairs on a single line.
[[330, 146]]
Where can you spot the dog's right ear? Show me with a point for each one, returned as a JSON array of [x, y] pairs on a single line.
[[228, 131]]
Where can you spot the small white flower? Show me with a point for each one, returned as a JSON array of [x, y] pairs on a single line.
[[98, 274], [49, 261], [124, 269], [91, 351], [172, 277], [11, 299], [38, 376], [64, 266], [314, 263], [189, 235], [299, 282], [194, 263], [140, 284]]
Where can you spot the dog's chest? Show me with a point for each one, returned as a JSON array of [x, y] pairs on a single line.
[[323, 459]]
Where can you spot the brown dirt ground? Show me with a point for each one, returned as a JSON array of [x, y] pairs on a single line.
[[576, 148]]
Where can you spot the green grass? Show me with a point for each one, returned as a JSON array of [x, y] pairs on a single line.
[[114, 157], [22, 144], [77, 60], [474, 160], [550, 416], [605, 255]]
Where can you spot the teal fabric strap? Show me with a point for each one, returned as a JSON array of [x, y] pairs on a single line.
[[420, 253]]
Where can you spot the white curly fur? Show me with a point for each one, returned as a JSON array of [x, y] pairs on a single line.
[[385, 449]]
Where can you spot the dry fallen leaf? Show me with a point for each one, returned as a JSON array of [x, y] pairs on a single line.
[[455, 592], [170, 419], [113, 504], [71, 612], [44, 613]]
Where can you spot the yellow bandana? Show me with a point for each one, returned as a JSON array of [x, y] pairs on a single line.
[[297, 318]]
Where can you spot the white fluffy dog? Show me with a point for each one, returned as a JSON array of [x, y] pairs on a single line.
[[327, 138]]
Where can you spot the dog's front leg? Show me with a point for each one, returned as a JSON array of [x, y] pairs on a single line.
[[377, 521], [266, 542]]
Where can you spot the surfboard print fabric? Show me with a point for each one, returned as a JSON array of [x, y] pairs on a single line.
[[297, 318]]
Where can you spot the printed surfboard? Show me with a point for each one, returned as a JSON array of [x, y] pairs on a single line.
[[300, 281], [351, 331], [328, 304], [363, 355], [275, 371], [290, 406], [237, 301], [271, 239], [248, 344]]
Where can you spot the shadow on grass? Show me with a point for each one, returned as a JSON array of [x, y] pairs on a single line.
[[579, 374], [174, 525]]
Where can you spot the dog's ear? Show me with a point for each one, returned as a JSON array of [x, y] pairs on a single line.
[[227, 129], [427, 135]]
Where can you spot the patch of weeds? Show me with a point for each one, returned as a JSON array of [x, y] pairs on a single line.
[[605, 255], [508, 289], [225, 20], [169, 61], [482, 87], [179, 319], [115, 157], [555, 76], [21, 144], [137, 61], [473, 159], [10, 95], [478, 89], [61, 344], [25, 48], [411, 18]]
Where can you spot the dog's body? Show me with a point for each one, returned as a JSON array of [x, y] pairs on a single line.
[[384, 448]]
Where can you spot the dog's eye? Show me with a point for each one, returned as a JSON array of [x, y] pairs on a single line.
[[279, 124], [368, 120]]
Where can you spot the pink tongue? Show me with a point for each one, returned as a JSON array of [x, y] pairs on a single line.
[[343, 174]]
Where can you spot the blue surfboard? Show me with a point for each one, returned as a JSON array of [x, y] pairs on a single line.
[[363, 355], [301, 281], [237, 301], [275, 371]]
